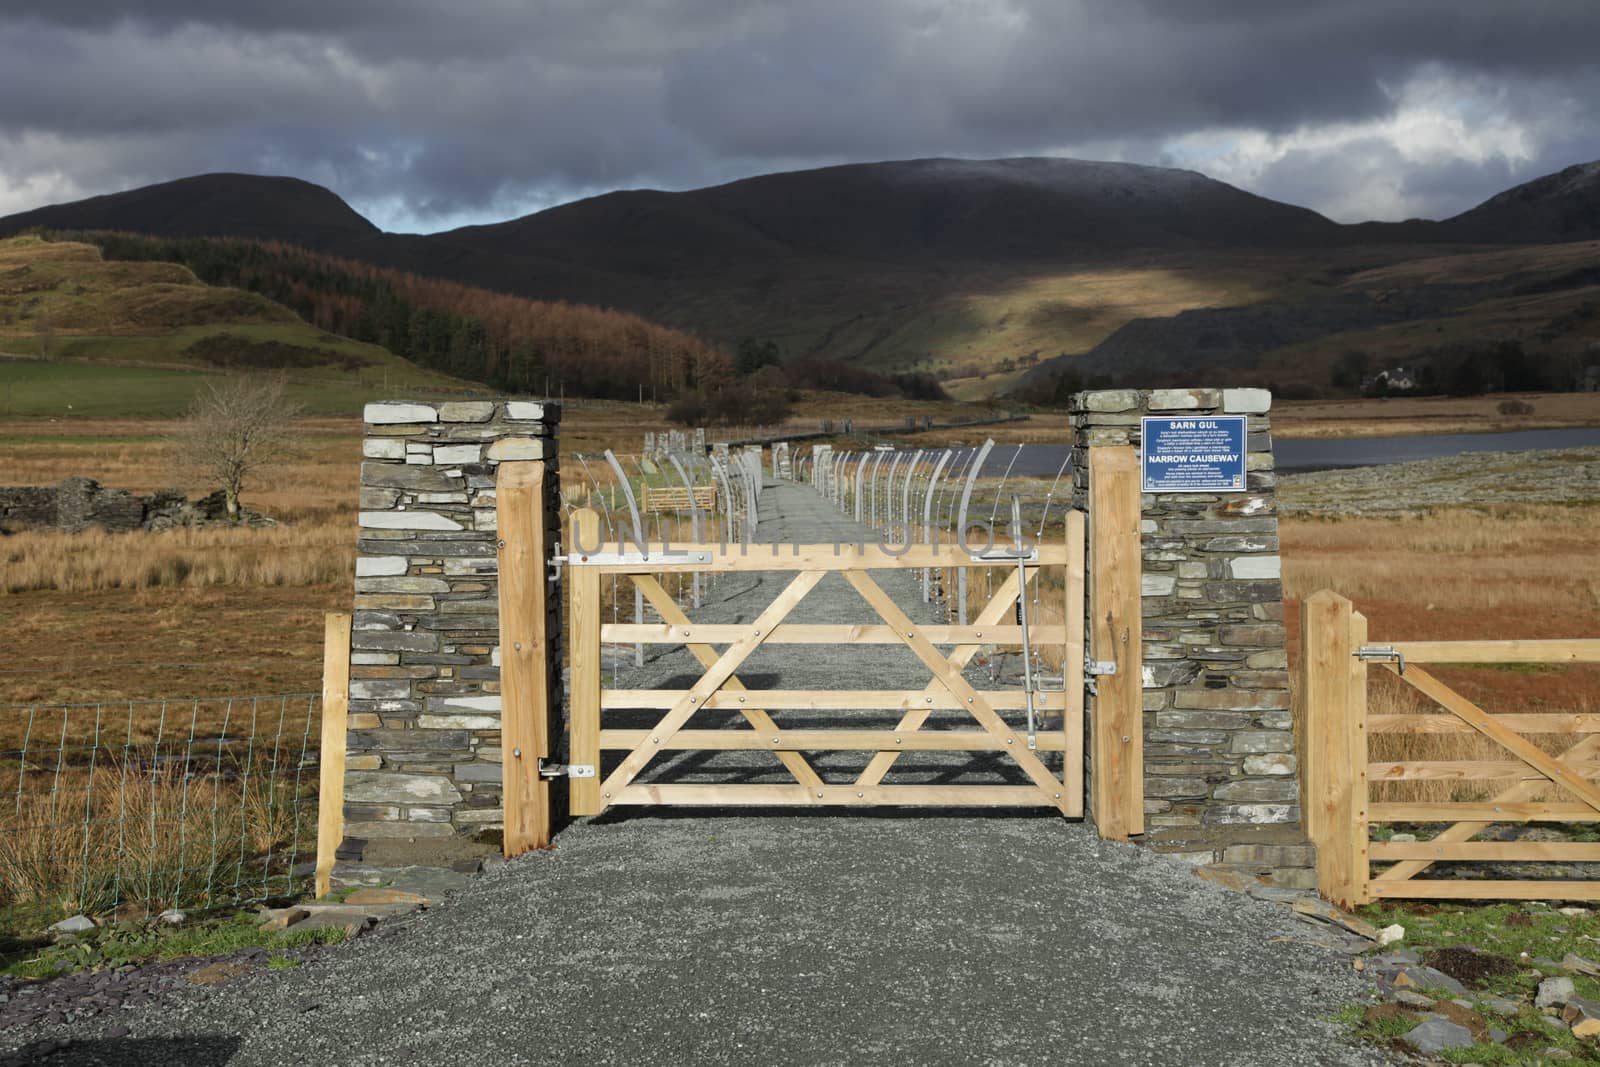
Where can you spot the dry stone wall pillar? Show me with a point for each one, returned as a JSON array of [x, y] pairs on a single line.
[[1220, 781], [424, 737]]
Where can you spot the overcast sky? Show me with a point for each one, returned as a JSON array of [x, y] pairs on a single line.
[[427, 114]]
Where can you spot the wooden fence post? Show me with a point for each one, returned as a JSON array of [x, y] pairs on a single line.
[[1335, 746], [524, 656], [1116, 634], [335, 716], [583, 637]]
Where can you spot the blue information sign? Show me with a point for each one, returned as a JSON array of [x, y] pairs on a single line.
[[1194, 454]]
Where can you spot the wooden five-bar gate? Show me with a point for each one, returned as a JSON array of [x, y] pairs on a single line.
[[1338, 773], [943, 650]]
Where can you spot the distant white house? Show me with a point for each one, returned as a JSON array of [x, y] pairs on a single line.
[[1395, 380]]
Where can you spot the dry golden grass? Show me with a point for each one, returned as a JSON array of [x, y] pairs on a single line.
[[86, 841], [1457, 573], [94, 561]]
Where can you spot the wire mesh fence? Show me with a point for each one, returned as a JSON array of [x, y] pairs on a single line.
[[158, 803]]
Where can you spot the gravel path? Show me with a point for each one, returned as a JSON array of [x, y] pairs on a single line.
[[807, 937]]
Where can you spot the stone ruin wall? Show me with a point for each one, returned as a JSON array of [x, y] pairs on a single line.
[[424, 736], [76, 504]]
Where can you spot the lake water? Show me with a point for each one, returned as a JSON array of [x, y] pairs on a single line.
[[1310, 454]]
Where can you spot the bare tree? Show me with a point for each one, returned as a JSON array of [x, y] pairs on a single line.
[[236, 428]]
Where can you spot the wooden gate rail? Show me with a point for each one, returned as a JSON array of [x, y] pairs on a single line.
[[720, 688], [1336, 771], [596, 557], [794, 633], [832, 699]]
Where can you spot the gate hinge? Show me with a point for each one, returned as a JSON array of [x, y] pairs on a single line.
[[1095, 668], [1380, 653], [566, 770], [629, 558]]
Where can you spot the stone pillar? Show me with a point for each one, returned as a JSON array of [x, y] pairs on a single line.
[[1220, 782], [649, 444], [424, 736], [698, 445]]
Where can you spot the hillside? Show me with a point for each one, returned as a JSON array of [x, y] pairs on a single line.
[[972, 271], [84, 336], [505, 342], [1435, 308]]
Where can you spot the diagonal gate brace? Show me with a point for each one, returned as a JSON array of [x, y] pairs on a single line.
[[948, 676], [718, 673]]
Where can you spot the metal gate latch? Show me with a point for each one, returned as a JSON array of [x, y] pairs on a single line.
[[1094, 668], [566, 770], [556, 562], [1380, 654]]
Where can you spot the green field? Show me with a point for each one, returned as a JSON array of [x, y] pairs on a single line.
[[97, 390], [81, 337]]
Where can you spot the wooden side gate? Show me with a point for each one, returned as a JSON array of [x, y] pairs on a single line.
[[721, 648], [1337, 772]]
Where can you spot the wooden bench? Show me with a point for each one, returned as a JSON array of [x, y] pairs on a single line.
[[676, 498]]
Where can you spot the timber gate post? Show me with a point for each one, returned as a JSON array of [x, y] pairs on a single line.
[[1217, 775], [1116, 727], [1332, 709], [528, 623]]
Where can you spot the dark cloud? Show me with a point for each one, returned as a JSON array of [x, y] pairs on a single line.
[[428, 113]]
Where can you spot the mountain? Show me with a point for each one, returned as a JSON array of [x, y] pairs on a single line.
[[211, 205], [972, 270], [967, 210], [1564, 206]]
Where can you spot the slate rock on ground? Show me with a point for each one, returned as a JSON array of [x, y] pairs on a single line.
[[1438, 1034], [1553, 992]]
